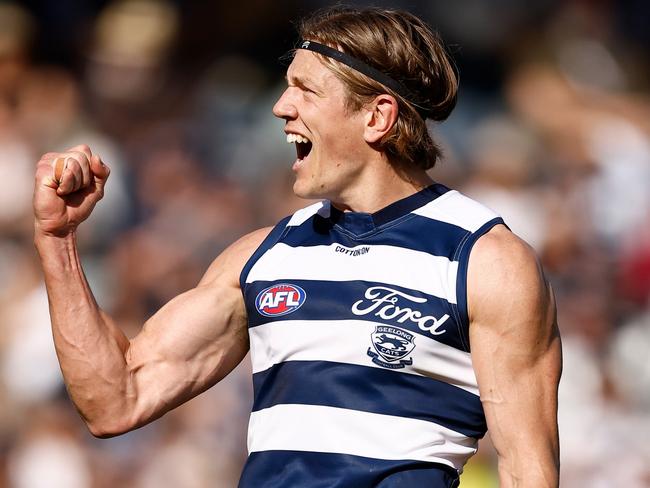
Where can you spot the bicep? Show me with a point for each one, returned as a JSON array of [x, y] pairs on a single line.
[[189, 345], [194, 340], [515, 347]]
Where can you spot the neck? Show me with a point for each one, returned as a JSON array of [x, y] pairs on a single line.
[[382, 185]]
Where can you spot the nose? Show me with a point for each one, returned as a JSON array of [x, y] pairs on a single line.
[[284, 108]]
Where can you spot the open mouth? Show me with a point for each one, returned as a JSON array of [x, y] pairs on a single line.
[[303, 145]]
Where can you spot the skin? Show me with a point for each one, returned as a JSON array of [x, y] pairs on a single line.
[[517, 358], [345, 165], [200, 336], [187, 346]]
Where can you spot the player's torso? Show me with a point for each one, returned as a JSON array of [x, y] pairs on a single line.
[[360, 354]]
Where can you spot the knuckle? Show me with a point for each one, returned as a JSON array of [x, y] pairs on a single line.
[[76, 155], [83, 159], [74, 165], [70, 159], [78, 147], [83, 149]]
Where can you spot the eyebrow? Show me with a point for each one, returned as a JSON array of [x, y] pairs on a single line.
[[304, 83]]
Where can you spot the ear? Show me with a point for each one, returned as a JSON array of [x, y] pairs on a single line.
[[380, 118]]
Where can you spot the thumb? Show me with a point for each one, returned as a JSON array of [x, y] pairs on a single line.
[[100, 171]]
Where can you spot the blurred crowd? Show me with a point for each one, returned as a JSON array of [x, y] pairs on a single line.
[[552, 130]]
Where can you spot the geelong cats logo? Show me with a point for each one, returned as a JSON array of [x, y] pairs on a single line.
[[392, 345], [280, 299]]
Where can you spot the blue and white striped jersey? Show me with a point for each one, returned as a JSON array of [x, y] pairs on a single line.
[[358, 330]]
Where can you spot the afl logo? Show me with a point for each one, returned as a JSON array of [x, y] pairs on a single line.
[[280, 299]]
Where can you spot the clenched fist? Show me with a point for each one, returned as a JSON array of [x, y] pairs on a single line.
[[67, 187]]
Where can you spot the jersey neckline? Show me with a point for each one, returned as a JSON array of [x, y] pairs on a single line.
[[362, 222]]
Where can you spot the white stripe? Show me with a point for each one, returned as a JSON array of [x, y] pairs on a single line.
[[414, 270], [303, 214], [459, 210], [320, 340], [315, 428]]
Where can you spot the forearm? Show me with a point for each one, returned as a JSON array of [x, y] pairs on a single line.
[[522, 415], [530, 461], [528, 473], [90, 348], [534, 465]]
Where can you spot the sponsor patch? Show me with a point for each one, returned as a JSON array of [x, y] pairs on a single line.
[[388, 304], [352, 251], [280, 299], [391, 345]]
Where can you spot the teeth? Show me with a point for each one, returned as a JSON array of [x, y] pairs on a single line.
[[291, 138]]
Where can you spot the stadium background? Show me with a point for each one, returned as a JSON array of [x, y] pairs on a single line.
[[552, 129]]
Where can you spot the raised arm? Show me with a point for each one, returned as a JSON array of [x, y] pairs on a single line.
[[186, 347], [516, 354]]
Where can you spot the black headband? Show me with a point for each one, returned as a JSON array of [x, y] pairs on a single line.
[[366, 69]]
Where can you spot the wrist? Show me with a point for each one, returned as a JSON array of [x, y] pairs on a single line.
[[47, 242], [43, 230]]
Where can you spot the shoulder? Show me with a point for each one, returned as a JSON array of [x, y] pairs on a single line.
[[232, 260], [505, 277], [502, 252]]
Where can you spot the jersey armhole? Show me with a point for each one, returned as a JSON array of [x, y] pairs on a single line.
[[274, 236], [462, 256]]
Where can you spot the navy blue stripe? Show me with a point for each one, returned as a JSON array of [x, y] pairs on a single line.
[[299, 469], [327, 300], [393, 211], [461, 280], [268, 242], [414, 232], [362, 224], [408, 204], [370, 389]]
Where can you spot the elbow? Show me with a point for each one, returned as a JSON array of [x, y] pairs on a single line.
[[106, 429], [107, 416], [111, 425], [102, 433]]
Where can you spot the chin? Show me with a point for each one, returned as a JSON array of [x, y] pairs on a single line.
[[308, 192], [302, 192]]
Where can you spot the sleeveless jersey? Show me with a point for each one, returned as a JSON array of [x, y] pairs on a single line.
[[358, 329]]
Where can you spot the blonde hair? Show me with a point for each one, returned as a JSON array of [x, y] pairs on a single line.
[[403, 47]]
